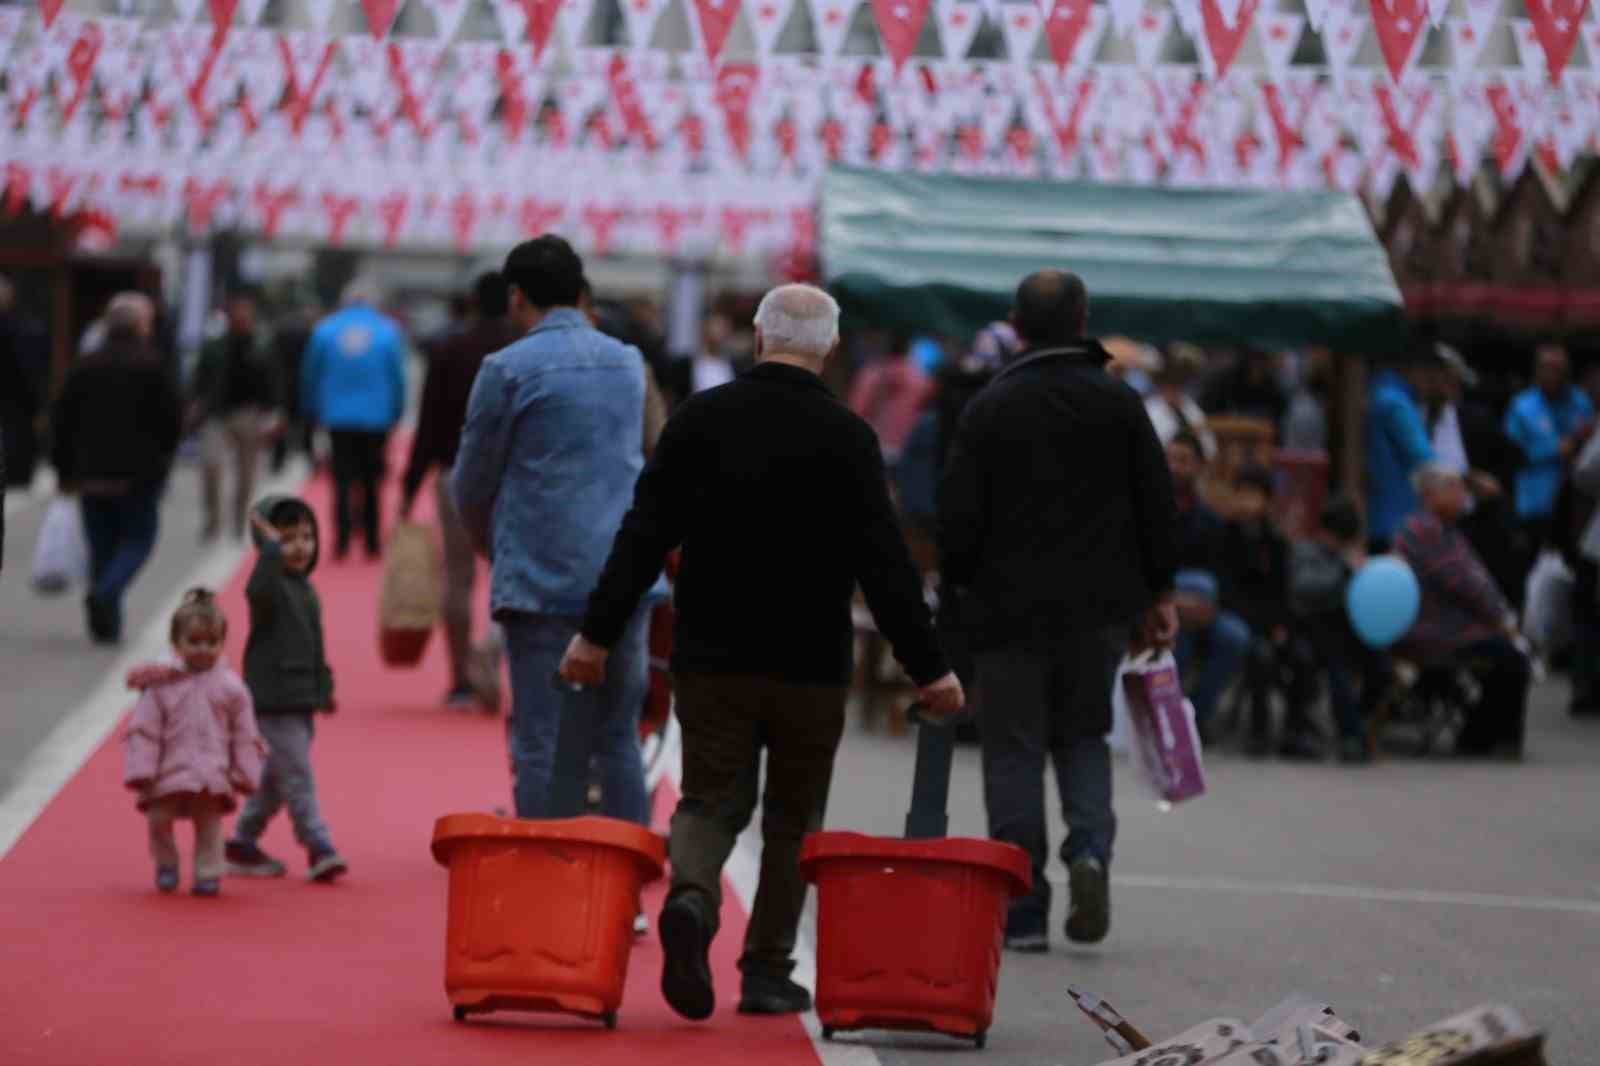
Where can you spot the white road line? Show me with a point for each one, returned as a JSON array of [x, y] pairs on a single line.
[[1359, 893], [77, 735], [743, 872]]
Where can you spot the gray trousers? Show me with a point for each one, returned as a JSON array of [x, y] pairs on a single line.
[[1036, 705], [287, 782], [460, 575]]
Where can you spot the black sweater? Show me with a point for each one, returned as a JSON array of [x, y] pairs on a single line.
[[1056, 514], [777, 495], [117, 420]]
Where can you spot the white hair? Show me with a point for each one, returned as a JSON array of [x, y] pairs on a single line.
[[361, 290], [798, 320], [130, 312], [1430, 476]]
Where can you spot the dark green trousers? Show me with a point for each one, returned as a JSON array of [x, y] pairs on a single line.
[[727, 721]]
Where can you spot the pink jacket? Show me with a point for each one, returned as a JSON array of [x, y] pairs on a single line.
[[192, 733]]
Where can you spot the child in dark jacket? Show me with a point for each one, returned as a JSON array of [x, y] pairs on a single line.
[[1319, 573], [1255, 586], [287, 672]]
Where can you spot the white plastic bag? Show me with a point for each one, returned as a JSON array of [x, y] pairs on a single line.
[[61, 554], [1125, 738], [1547, 616]]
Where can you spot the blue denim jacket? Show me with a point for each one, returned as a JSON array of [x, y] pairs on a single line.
[[551, 449]]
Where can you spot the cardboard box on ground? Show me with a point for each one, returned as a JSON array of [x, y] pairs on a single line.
[[1302, 1031]]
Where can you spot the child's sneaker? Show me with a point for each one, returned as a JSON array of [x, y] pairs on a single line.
[[245, 859], [166, 879], [208, 886], [326, 866]]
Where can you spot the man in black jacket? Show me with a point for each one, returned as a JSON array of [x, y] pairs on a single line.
[[777, 495], [116, 428], [1058, 531]]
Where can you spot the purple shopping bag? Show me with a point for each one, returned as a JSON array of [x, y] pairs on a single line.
[[1165, 739]]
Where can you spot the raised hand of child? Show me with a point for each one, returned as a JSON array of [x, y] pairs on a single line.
[[268, 531]]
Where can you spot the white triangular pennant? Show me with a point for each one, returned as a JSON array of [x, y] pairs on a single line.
[[447, 15], [1149, 34], [1437, 10], [1125, 15], [1482, 14], [642, 16], [573, 22], [1466, 43], [1279, 34], [1021, 26], [959, 22], [1341, 41], [1530, 50], [321, 13], [767, 20], [830, 23], [1316, 13]]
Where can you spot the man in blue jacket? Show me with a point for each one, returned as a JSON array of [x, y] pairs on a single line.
[[1546, 421], [353, 383], [1397, 445], [544, 473]]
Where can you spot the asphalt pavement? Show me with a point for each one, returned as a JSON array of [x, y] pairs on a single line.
[[1401, 893]]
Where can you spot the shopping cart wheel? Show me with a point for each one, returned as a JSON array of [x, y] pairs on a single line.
[[981, 1039], [460, 1014], [610, 1018], [827, 1032]]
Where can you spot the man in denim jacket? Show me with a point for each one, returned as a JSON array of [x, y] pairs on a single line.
[[549, 455]]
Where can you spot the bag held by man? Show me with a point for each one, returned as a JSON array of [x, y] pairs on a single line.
[[1151, 717], [408, 604], [61, 555]]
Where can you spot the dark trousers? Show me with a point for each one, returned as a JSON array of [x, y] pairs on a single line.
[[1288, 667], [1348, 663], [726, 722], [296, 437], [1035, 704], [1498, 717], [121, 531], [1586, 633], [357, 469]]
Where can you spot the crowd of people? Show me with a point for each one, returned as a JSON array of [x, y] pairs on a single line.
[[1063, 542]]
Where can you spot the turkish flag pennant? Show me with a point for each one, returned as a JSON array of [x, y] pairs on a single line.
[[625, 94], [714, 19], [1402, 112], [413, 64], [601, 220], [307, 58], [735, 85], [1021, 27], [1065, 112], [270, 203], [392, 209], [1279, 35], [1400, 25], [202, 199], [536, 217], [48, 10], [464, 215], [1073, 32], [899, 25], [337, 211], [1221, 40], [1286, 118], [81, 58], [959, 22], [1510, 139], [1557, 23], [539, 23], [380, 16]]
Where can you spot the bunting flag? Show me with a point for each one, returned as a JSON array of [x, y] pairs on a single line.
[[1073, 31], [1225, 24], [1556, 23], [959, 22], [1401, 26], [1280, 36], [447, 16], [899, 24], [713, 19], [767, 20], [1021, 27]]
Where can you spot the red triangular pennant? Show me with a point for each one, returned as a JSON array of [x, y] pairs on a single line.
[[1557, 22], [1400, 24], [48, 10], [716, 19], [1063, 27], [899, 26], [1221, 41]]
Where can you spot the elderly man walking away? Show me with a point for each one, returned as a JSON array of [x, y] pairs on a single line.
[[353, 383], [777, 496], [236, 397], [1059, 536], [116, 427], [546, 466]]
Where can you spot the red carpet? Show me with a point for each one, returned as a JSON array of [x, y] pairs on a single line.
[[96, 967]]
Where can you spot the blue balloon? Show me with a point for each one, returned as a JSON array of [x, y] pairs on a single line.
[[1383, 599]]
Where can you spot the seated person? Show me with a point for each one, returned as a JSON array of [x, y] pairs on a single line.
[[1464, 619], [1255, 586], [1210, 639], [1319, 572]]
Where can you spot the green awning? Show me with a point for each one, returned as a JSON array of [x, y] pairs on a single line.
[[1276, 269]]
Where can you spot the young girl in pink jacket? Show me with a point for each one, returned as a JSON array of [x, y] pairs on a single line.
[[191, 743]]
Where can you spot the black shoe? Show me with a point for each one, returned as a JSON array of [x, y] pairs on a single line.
[[1299, 749], [1089, 920], [461, 696], [1028, 927], [102, 618], [166, 879], [247, 860], [686, 971], [766, 994], [209, 886]]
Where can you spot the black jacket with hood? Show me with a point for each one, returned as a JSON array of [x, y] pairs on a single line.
[[284, 661]]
